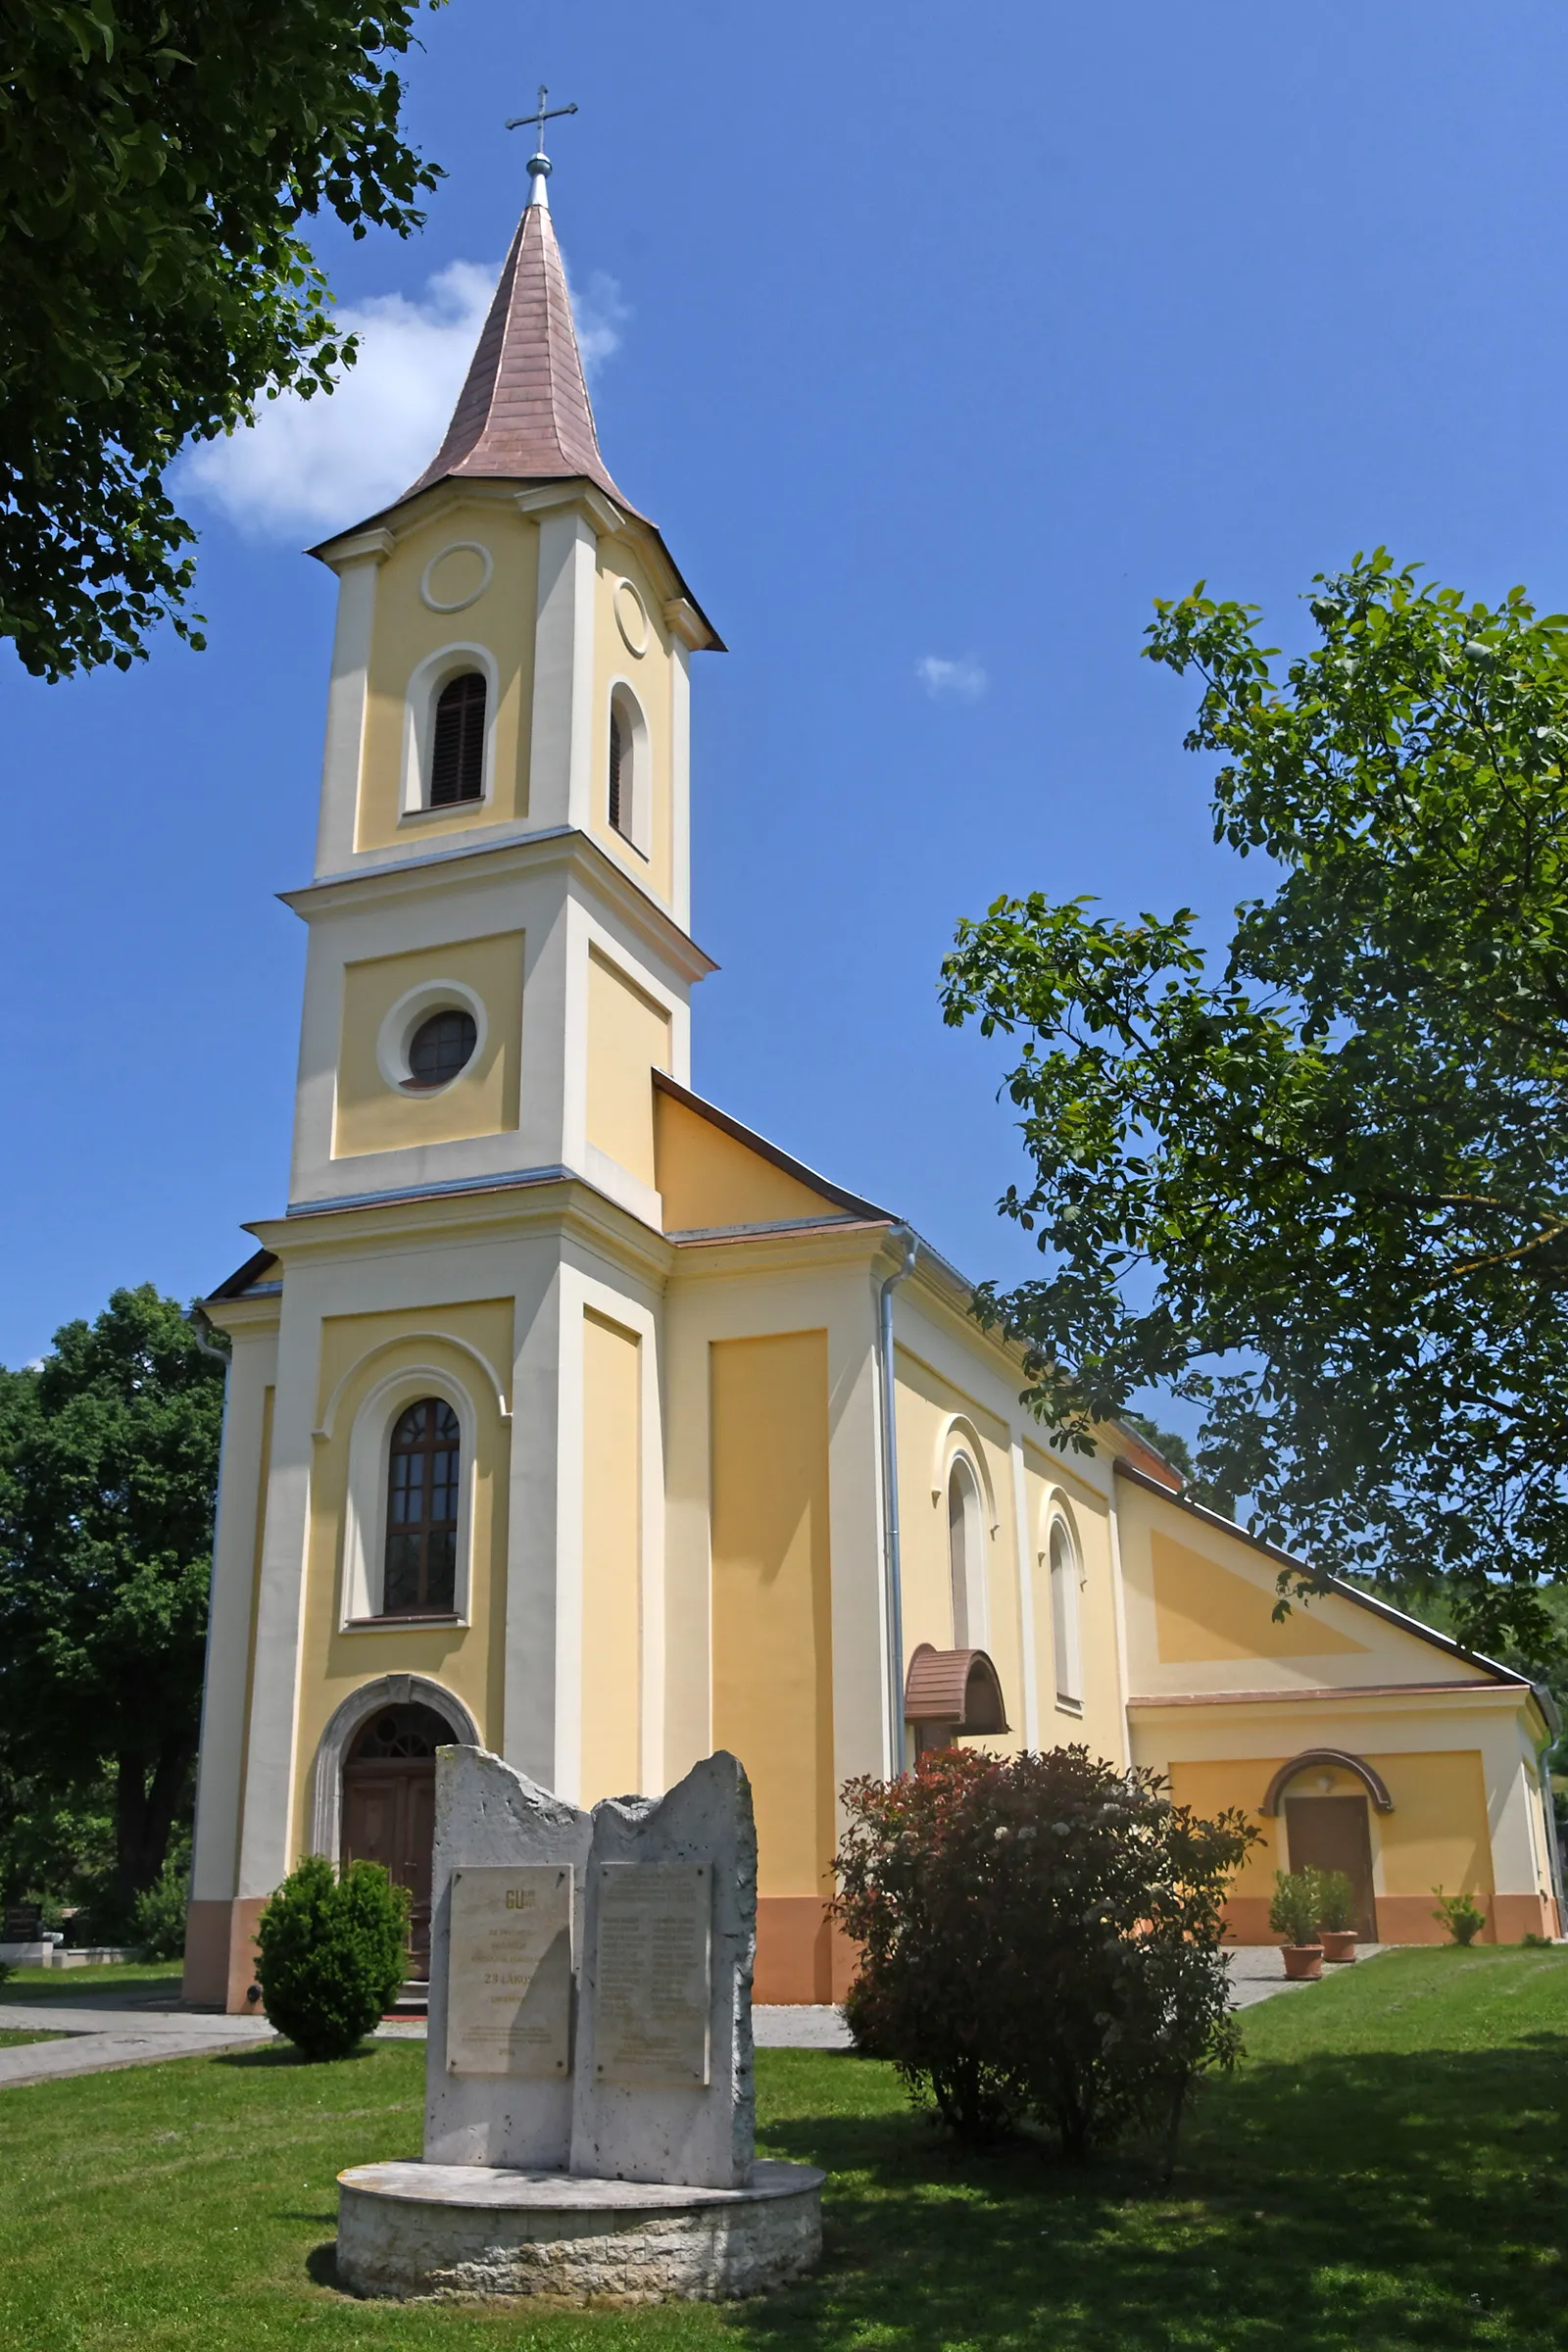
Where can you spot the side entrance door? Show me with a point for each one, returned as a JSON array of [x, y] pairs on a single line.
[[389, 1810], [1330, 1832]]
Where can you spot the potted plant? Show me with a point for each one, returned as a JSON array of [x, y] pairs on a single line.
[[1293, 1915], [1336, 1915]]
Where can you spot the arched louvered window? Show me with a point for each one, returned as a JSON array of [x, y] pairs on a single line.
[[619, 764], [457, 753], [421, 1512], [626, 799]]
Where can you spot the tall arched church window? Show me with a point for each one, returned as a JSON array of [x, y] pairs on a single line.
[[421, 1512], [965, 1556], [1064, 1631], [457, 750]]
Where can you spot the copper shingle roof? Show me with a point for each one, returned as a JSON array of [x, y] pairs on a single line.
[[958, 1686], [525, 413]]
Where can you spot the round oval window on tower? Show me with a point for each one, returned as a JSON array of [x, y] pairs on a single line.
[[440, 1048]]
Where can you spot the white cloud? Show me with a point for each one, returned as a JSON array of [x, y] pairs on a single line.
[[960, 681], [314, 466]]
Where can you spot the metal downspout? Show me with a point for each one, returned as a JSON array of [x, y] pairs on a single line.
[[892, 1567]]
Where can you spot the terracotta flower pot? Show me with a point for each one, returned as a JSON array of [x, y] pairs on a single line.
[[1303, 1962], [1338, 1943]]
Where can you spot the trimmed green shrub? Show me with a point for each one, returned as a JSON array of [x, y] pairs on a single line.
[[158, 1923], [1297, 1907], [1336, 1901], [1039, 1937], [1458, 1914], [334, 1949]]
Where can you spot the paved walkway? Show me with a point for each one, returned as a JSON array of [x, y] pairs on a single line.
[[105, 2034]]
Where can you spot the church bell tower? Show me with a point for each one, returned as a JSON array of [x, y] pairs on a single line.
[[498, 919]]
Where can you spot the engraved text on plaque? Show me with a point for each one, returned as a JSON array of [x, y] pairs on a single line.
[[651, 1990], [508, 1981]]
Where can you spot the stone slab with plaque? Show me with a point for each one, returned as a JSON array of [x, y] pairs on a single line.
[[663, 2066], [510, 1972]]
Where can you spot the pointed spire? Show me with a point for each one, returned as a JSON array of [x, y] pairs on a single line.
[[524, 413]]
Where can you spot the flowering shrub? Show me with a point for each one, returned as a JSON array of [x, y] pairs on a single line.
[[1040, 1935]]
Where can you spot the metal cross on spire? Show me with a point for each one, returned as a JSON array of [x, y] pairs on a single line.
[[539, 162]]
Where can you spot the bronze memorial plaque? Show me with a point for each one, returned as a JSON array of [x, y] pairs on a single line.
[[509, 1972], [651, 1995]]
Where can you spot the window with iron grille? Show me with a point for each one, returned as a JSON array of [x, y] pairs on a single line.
[[439, 1048], [421, 1512], [457, 753]]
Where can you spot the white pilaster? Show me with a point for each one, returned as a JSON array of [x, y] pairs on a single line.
[[561, 746], [530, 1678], [680, 787], [265, 1835], [252, 1368], [1026, 1593], [355, 565]]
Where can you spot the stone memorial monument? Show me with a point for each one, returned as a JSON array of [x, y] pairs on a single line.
[[589, 2118]]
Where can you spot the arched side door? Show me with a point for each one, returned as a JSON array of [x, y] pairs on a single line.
[[389, 1808]]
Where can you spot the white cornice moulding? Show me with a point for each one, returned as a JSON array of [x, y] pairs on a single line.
[[606, 518], [559, 846], [682, 616], [377, 545]]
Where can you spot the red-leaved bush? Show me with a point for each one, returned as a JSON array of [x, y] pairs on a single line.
[[1040, 1935]]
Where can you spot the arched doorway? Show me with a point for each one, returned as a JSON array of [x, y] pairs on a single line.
[[389, 1807], [1327, 1825]]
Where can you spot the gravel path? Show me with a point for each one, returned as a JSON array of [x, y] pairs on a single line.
[[103, 2034]]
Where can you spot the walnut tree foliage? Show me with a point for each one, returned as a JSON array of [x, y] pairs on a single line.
[[108, 1482], [157, 161], [1322, 1185]]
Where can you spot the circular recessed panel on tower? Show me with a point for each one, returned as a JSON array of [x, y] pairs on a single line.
[[631, 619], [456, 577]]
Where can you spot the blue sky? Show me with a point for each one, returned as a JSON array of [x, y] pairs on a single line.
[[938, 341]]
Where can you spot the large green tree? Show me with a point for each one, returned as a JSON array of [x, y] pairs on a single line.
[[1320, 1182], [108, 1479], [157, 161]]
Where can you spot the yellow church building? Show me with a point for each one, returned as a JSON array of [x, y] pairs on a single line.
[[569, 1416]]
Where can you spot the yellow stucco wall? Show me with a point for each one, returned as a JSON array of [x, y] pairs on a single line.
[[358, 1353], [1239, 1783], [405, 632], [611, 1562], [648, 676], [1200, 1600], [1437, 1835], [482, 1099], [1203, 1610], [708, 1177], [628, 1039], [772, 1595]]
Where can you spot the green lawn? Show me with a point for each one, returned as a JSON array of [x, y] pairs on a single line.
[[10, 2038], [123, 1976], [1388, 2170]]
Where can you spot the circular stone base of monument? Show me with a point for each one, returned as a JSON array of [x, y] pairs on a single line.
[[442, 2230]]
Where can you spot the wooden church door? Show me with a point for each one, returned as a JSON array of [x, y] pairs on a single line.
[[1330, 1832], [390, 1809]]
